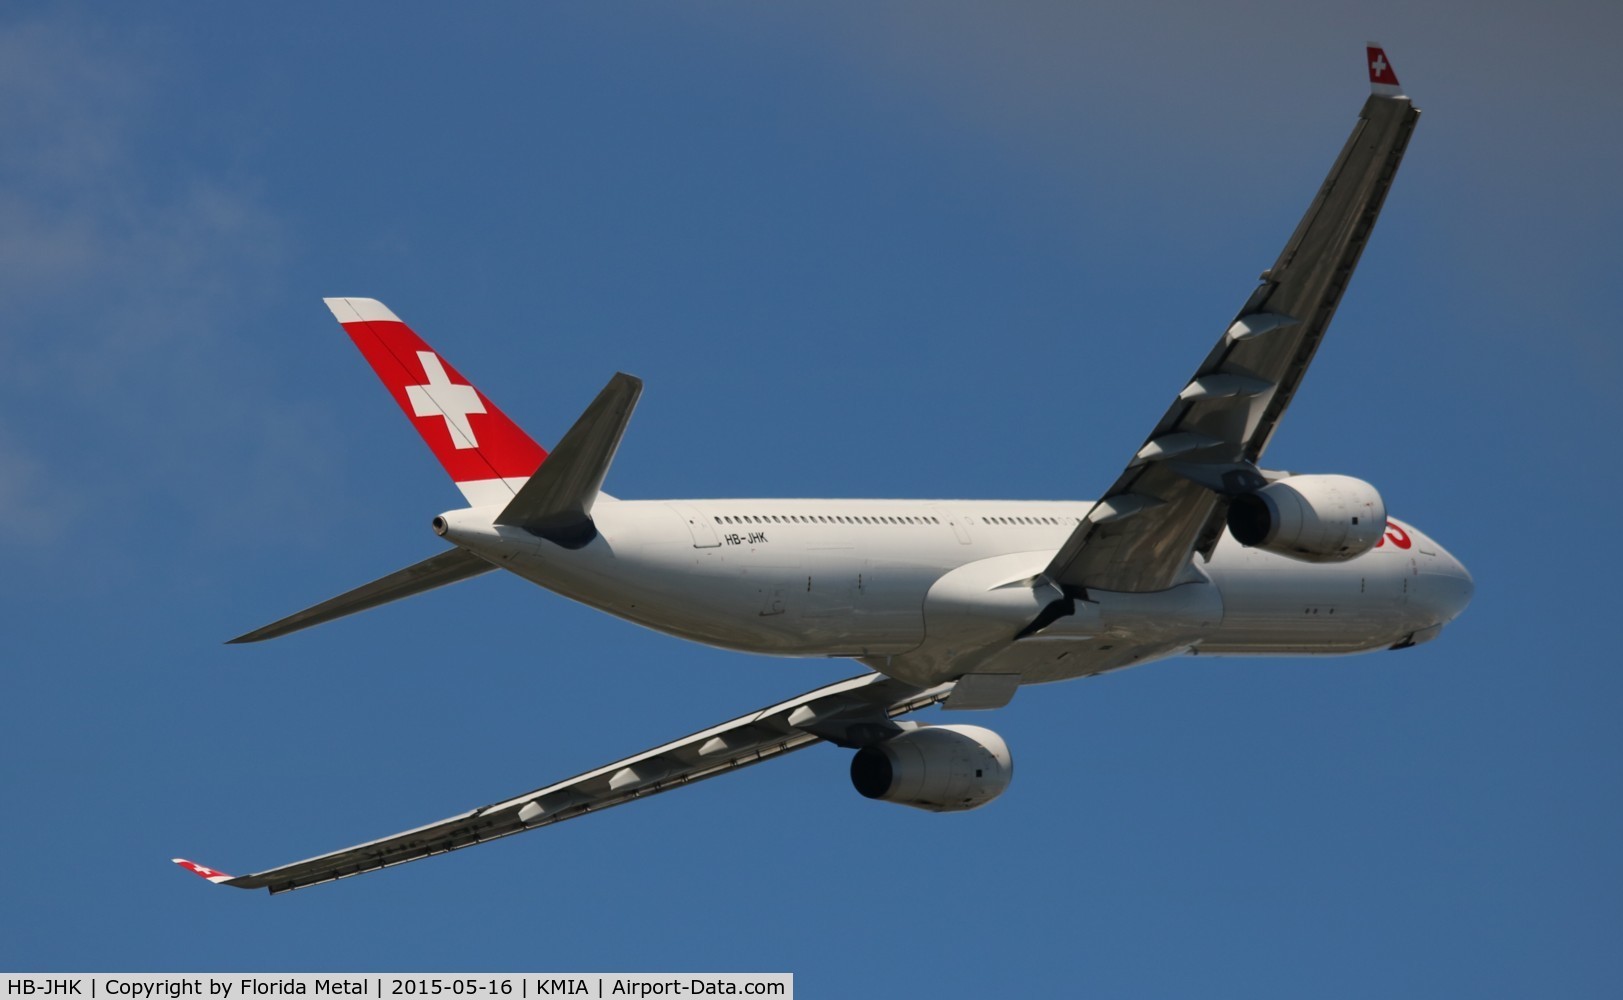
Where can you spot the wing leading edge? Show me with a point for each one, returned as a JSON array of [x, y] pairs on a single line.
[[851, 712], [1171, 500]]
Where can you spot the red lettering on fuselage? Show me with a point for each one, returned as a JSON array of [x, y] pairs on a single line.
[[1396, 535]]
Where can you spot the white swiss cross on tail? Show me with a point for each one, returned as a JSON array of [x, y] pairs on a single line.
[[1382, 81], [487, 455], [443, 398]]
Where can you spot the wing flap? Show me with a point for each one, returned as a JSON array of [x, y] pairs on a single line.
[[1171, 499], [849, 712]]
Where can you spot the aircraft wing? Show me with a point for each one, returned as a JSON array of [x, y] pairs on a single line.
[[852, 712], [1172, 499]]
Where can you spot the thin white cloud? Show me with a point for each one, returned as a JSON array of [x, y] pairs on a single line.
[[126, 372], [37, 507]]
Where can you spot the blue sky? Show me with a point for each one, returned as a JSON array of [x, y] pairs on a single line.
[[891, 249]]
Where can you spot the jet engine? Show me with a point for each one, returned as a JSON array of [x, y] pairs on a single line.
[[939, 768], [1311, 518]]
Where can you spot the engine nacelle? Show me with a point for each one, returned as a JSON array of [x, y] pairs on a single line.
[[1312, 518], [939, 768]]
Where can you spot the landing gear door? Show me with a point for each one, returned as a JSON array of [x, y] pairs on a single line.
[[699, 526]]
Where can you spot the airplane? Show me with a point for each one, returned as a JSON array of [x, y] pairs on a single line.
[[1194, 549]]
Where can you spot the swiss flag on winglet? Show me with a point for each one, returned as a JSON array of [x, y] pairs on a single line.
[[1381, 77], [472, 438], [203, 871]]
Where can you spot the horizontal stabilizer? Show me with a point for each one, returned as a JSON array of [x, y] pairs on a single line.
[[556, 503], [447, 567]]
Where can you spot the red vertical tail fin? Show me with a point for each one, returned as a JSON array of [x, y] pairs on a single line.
[[487, 455]]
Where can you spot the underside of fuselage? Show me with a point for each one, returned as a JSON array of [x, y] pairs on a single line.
[[927, 591]]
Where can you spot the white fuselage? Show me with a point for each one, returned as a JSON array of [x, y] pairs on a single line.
[[927, 591]]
